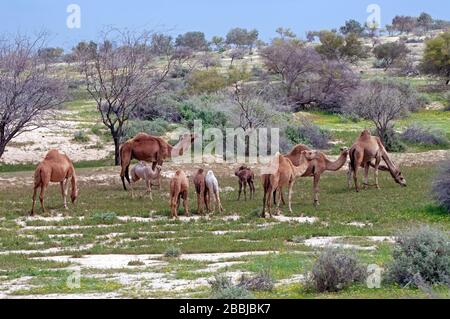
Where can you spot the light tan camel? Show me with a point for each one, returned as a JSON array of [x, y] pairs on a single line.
[[144, 147], [55, 168], [179, 189], [284, 174], [316, 166], [212, 189], [142, 171], [200, 189], [366, 149]]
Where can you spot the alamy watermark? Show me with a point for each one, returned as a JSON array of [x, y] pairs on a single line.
[[74, 19]]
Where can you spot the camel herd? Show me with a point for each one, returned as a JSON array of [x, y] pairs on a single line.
[[281, 172]]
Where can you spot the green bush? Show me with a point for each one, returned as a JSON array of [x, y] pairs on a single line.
[[202, 108], [172, 252], [391, 140], [441, 186], [104, 217], [157, 127], [308, 133], [424, 136], [420, 254], [335, 270], [206, 81]]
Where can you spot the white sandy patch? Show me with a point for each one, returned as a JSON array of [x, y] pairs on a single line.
[[301, 220], [333, 241], [215, 257], [53, 250]]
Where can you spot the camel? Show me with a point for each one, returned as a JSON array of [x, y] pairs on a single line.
[[364, 150], [179, 189], [283, 174], [200, 189], [212, 188], [144, 147], [55, 168], [316, 167], [142, 171], [246, 176]]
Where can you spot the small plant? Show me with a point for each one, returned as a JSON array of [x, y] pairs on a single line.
[[421, 255], [136, 263], [391, 140], [104, 217], [223, 288], [441, 186], [172, 252], [335, 270], [263, 281], [425, 136], [81, 137]]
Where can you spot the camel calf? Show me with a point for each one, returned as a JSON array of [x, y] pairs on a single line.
[[179, 188], [142, 171], [55, 168], [212, 187], [246, 176]]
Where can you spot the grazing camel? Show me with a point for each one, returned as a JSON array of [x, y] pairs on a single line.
[[365, 149], [283, 174], [317, 166], [55, 168], [142, 171], [144, 147], [246, 176], [200, 189], [179, 189], [212, 188]]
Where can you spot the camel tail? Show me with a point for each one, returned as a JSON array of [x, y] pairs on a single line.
[[37, 176]]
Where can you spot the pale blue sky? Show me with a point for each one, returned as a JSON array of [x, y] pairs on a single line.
[[211, 17]]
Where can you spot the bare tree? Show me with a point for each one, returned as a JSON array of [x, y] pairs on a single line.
[[383, 102], [27, 89], [119, 77]]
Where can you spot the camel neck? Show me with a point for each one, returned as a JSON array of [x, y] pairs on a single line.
[[336, 165]]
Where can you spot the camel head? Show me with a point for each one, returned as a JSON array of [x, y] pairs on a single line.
[[399, 179], [74, 195], [311, 155], [240, 168], [188, 137], [344, 150]]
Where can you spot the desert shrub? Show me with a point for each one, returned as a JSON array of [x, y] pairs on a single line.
[[335, 270], [263, 281], [441, 186], [422, 135], [310, 134], [81, 137], [172, 252], [391, 140], [223, 288], [157, 127], [136, 263], [103, 217], [420, 254], [206, 81]]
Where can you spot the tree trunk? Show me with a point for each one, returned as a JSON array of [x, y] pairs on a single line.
[[116, 139], [2, 149]]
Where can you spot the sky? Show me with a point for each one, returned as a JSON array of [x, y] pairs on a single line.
[[211, 17]]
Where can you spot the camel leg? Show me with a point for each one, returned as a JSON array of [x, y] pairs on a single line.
[[149, 188], [186, 203], [34, 200], [219, 204], [252, 189], [269, 203], [263, 213], [291, 186], [355, 177], [64, 191], [349, 176], [377, 164], [366, 175], [245, 191], [316, 189], [41, 197], [240, 190]]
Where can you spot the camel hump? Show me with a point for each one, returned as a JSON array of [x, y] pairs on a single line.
[[53, 154]]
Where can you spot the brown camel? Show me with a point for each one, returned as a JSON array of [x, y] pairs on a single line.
[[200, 189], [283, 174], [144, 147], [317, 166], [246, 176], [55, 168], [179, 189], [365, 149]]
